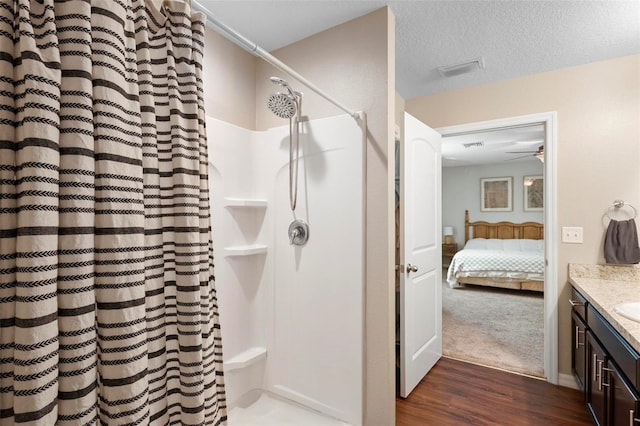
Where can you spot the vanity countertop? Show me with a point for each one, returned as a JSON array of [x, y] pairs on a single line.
[[604, 286]]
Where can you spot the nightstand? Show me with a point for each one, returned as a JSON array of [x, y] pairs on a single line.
[[448, 250]]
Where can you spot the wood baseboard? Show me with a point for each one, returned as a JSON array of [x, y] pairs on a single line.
[[567, 381]]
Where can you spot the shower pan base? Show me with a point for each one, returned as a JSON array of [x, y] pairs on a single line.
[[259, 408]]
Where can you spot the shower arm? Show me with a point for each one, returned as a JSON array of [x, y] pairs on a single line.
[[258, 51]]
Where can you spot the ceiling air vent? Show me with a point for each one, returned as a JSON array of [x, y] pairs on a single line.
[[462, 68], [473, 145]]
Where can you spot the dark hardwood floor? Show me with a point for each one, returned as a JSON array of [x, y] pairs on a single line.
[[459, 393]]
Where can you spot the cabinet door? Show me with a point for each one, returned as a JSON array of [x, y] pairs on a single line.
[[596, 394], [623, 401], [578, 349]]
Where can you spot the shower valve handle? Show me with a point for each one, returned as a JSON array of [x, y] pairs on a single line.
[[298, 233], [293, 235]]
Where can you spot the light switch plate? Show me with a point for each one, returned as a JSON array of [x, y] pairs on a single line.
[[572, 234]]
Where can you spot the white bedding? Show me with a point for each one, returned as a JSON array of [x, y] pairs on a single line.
[[494, 258]]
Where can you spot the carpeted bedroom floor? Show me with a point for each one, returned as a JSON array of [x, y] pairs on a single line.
[[494, 327]]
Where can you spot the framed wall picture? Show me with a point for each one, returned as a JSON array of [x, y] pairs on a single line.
[[496, 194], [533, 193]]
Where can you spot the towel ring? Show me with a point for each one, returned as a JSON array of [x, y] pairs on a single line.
[[618, 204]]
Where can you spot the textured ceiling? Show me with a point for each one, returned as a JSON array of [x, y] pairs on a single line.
[[515, 38], [499, 146]]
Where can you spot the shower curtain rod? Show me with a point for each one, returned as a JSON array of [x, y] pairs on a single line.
[[258, 51]]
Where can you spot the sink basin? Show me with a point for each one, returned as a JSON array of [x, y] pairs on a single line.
[[629, 310]]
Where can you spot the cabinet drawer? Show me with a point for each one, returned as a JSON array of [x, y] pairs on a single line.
[[578, 349], [579, 303], [623, 400], [627, 359]]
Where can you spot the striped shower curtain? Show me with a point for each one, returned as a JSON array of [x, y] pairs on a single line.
[[108, 314]]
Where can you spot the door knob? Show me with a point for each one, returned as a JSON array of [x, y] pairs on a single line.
[[411, 268]]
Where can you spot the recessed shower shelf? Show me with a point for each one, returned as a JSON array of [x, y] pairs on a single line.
[[245, 202], [245, 250], [246, 358]]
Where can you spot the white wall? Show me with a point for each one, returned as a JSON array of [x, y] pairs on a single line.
[[315, 351], [355, 63], [461, 191], [304, 305], [239, 280]]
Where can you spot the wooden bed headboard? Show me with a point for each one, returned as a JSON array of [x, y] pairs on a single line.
[[503, 230]]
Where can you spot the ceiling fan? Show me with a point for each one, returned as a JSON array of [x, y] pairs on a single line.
[[539, 154]]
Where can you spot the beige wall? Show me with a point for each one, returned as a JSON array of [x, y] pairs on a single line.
[[229, 81], [349, 62], [598, 147], [354, 63]]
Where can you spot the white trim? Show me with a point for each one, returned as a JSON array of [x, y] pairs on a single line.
[[551, 247], [549, 119]]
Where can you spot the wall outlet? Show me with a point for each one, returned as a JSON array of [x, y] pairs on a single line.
[[572, 234]]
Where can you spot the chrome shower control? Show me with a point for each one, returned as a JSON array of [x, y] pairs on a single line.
[[298, 233]]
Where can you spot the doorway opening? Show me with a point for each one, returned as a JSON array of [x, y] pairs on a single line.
[[547, 122], [493, 282]]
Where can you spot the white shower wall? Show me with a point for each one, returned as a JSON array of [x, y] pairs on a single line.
[[303, 306], [241, 293]]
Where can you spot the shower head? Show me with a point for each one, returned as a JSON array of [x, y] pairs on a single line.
[[288, 105], [283, 105], [281, 82]]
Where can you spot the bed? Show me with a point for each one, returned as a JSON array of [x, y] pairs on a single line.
[[503, 254]]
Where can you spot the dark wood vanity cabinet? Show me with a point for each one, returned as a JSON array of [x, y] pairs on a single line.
[[595, 391], [623, 400], [578, 339], [606, 367], [578, 342]]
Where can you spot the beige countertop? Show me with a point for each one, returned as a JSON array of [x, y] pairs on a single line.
[[604, 286]]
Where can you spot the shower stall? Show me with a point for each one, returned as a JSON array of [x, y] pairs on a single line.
[[288, 213], [292, 316]]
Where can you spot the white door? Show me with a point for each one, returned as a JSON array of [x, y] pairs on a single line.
[[421, 275]]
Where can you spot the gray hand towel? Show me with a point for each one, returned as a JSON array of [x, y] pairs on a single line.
[[621, 242]]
